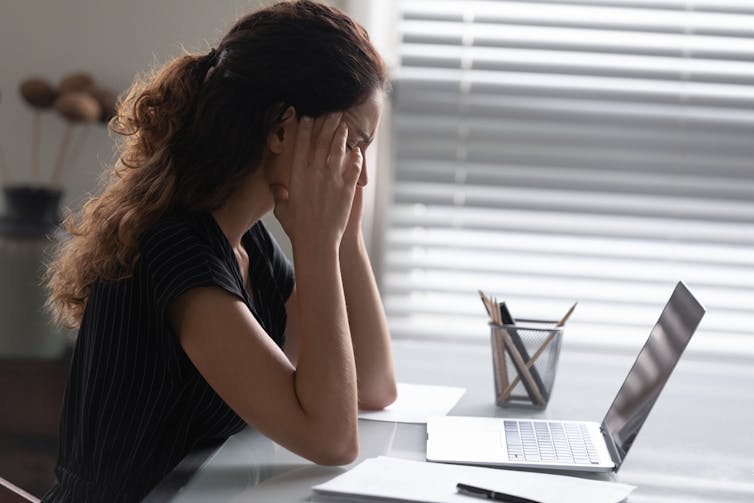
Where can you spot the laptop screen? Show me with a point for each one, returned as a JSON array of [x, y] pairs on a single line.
[[652, 368]]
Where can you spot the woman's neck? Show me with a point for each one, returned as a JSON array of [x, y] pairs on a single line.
[[245, 206]]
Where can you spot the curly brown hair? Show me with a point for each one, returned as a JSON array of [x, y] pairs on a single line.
[[192, 130]]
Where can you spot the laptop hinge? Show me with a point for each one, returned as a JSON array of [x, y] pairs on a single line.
[[611, 447]]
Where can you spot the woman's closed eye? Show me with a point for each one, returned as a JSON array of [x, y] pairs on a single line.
[[357, 144]]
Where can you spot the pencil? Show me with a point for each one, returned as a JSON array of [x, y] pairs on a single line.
[[567, 315], [484, 301]]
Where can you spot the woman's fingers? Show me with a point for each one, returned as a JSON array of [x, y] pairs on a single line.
[[301, 147], [353, 167], [338, 148], [325, 138]]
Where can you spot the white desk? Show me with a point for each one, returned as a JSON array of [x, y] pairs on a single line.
[[697, 444]]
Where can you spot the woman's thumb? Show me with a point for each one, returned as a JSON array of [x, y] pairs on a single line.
[[354, 169]]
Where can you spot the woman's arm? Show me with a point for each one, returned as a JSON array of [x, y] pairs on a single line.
[[366, 317], [293, 407], [310, 409]]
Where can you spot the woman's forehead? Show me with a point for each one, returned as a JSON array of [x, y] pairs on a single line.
[[362, 120]]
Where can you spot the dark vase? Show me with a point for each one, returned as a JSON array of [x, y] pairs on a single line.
[[31, 212], [27, 230]]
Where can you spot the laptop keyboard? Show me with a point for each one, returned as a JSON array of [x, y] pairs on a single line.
[[549, 442]]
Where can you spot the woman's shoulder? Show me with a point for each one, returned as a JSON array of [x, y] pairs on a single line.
[[172, 223], [183, 250], [181, 237], [179, 229]]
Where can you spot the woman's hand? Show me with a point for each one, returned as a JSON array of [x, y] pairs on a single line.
[[317, 204]]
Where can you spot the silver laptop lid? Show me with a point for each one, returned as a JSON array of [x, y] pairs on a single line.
[[651, 370]]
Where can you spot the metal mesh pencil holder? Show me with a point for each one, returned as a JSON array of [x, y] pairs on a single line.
[[524, 361]]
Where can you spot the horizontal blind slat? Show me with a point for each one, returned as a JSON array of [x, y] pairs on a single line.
[[579, 39], [448, 145], [433, 101], [552, 264], [604, 202], [418, 215], [580, 63], [453, 308], [651, 181], [702, 253], [730, 6], [464, 127], [429, 7], [594, 87], [573, 156], [582, 289], [646, 14]]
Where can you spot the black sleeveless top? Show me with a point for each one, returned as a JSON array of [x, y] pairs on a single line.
[[134, 403]]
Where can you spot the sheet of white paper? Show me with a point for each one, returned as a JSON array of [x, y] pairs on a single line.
[[416, 403], [416, 481]]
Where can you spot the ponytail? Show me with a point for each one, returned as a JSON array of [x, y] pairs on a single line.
[[102, 243], [156, 108]]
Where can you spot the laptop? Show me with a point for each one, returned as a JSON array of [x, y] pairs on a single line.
[[575, 445]]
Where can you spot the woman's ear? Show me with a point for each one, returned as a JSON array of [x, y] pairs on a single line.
[[283, 132]]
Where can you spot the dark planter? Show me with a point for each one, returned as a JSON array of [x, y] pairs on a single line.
[[27, 231], [31, 212]]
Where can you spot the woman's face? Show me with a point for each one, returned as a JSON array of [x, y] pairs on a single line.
[[362, 121]]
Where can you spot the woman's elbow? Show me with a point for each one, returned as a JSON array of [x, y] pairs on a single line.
[[380, 398], [337, 453]]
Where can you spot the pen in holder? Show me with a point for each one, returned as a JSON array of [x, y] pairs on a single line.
[[524, 361]]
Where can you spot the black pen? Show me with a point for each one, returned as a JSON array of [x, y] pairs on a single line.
[[491, 495]]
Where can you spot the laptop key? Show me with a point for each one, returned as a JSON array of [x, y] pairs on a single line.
[[590, 450], [511, 425]]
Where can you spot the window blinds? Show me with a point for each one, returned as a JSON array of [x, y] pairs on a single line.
[[561, 151]]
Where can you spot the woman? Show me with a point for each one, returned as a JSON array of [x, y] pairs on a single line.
[[190, 322]]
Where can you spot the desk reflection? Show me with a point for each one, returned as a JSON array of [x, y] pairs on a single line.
[[250, 467]]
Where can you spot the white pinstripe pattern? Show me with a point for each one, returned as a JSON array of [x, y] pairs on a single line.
[[134, 404]]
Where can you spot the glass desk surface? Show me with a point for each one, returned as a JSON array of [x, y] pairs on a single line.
[[696, 445]]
